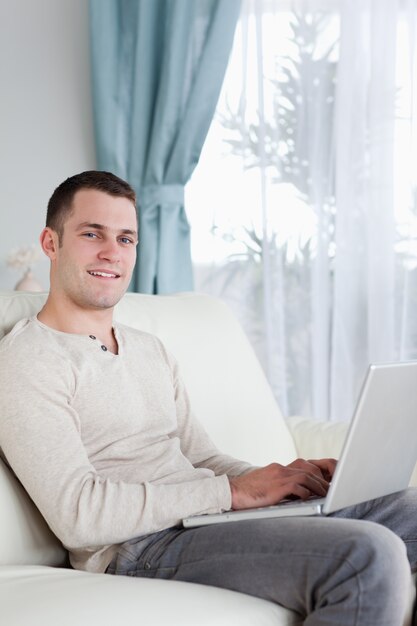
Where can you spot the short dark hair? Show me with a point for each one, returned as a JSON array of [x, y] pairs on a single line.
[[60, 203]]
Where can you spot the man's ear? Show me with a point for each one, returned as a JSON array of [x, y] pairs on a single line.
[[49, 242]]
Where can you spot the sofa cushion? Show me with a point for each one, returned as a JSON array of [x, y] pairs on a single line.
[[66, 598]]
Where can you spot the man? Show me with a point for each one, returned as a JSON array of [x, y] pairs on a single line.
[[114, 459]]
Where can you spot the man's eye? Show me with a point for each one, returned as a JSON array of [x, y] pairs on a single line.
[[125, 240], [89, 235]]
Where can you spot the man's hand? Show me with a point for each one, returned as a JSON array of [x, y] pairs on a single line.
[[268, 485]]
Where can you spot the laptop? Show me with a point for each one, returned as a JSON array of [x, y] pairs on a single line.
[[378, 456]]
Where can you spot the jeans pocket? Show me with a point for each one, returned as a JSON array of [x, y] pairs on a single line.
[[128, 554], [155, 557], [144, 556]]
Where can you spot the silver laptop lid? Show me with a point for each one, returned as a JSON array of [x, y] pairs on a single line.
[[380, 450]]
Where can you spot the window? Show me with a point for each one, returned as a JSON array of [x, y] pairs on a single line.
[[305, 114]]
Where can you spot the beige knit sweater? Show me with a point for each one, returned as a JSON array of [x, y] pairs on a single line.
[[106, 445]]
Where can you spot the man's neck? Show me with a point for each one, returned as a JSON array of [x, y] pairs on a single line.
[[69, 318]]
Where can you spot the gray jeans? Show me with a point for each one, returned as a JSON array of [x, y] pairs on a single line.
[[352, 568]]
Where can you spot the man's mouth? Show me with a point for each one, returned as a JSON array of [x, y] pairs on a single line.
[[102, 274]]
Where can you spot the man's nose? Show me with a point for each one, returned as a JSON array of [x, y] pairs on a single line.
[[109, 250]]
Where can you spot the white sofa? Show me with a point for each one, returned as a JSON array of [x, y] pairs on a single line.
[[230, 395]]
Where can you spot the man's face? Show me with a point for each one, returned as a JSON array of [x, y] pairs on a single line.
[[93, 266]]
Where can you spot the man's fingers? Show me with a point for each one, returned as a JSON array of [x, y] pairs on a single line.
[[306, 466], [302, 473], [315, 484], [323, 467], [302, 488], [293, 491], [270, 484], [327, 466], [301, 485]]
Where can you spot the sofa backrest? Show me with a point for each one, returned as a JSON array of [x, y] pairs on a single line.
[[228, 392]]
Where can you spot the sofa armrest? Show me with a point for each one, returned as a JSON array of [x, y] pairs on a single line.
[[317, 439]]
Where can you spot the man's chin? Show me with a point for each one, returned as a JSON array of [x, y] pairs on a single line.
[[106, 302], [100, 302]]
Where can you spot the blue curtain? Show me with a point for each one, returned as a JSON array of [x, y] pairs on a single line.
[[157, 71]]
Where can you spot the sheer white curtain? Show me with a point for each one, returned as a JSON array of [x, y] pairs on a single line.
[[374, 142], [303, 208]]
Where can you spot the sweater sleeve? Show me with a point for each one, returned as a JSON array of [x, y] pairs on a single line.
[[40, 435]]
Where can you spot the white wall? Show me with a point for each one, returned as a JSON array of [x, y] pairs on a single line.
[[46, 128]]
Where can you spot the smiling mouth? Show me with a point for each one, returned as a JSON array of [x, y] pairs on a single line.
[[103, 274]]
